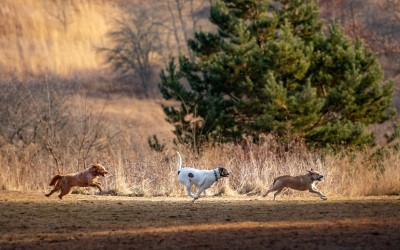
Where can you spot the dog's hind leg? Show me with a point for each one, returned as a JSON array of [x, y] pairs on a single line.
[[201, 190], [64, 191], [276, 186], [189, 191], [278, 192], [55, 189], [269, 191]]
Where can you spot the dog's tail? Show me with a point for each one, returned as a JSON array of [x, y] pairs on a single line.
[[55, 180], [179, 162]]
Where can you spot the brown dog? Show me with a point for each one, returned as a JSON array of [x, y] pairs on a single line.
[[301, 183], [83, 179]]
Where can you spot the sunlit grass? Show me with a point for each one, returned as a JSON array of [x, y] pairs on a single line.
[[55, 36]]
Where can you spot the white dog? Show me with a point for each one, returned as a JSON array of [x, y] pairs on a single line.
[[202, 179], [301, 183]]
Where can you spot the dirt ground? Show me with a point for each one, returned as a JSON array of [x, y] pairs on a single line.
[[33, 221]]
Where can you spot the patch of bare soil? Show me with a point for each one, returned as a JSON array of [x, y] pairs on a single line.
[[33, 221]]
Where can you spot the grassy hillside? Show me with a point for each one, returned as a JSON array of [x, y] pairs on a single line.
[[61, 37], [55, 36]]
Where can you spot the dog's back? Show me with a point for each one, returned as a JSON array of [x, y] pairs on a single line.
[[82, 179], [280, 177], [300, 183]]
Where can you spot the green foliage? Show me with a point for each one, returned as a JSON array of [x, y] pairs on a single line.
[[270, 68]]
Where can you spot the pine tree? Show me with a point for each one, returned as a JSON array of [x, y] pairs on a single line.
[[270, 68]]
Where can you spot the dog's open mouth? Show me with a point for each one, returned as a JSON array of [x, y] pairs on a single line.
[[102, 173]]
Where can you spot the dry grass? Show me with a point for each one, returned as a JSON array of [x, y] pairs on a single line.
[[138, 171], [58, 36]]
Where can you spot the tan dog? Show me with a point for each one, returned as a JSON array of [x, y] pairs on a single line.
[[83, 179], [301, 183]]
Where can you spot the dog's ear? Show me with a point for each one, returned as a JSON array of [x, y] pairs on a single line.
[[95, 165]]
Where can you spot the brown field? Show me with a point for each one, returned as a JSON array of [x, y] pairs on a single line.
[[62, 108], [33, 221]]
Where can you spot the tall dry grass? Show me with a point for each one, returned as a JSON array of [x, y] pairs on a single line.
[[137, 171], [47, 130], [56, 36]]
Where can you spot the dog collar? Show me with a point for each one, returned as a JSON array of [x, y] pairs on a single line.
[[215, 174]]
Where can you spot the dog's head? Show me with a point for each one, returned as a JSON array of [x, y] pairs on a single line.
[[223, 172], [314, 175], [98, 169]]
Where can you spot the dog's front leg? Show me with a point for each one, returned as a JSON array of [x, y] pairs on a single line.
[[321, 195], [96, 185]]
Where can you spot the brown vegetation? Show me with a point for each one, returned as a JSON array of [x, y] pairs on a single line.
[[57, 114], [55, 36]]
